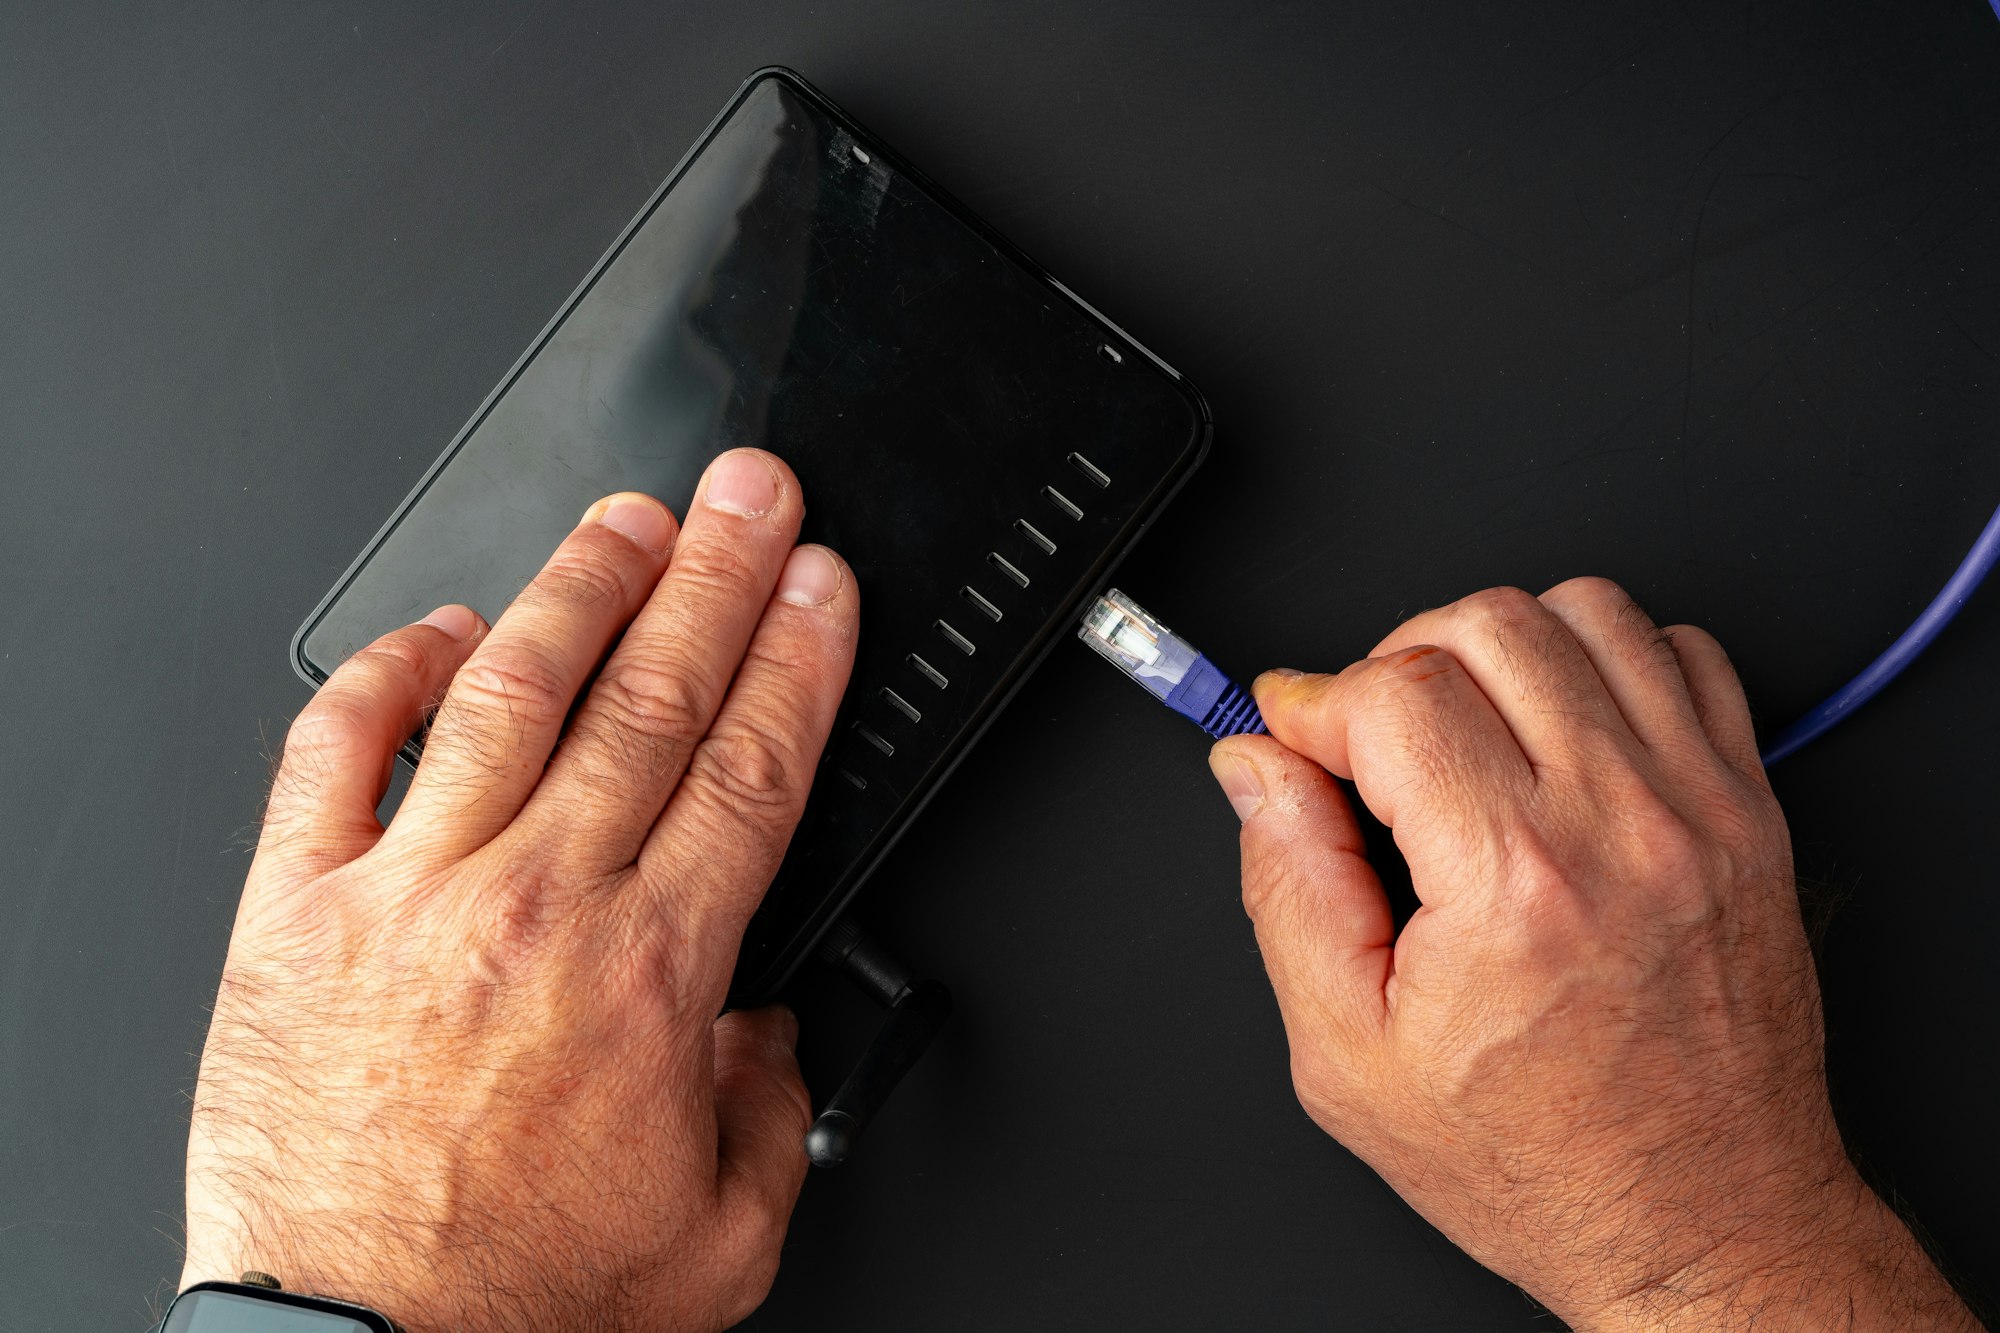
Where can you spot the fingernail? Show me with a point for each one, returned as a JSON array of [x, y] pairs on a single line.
[[743, 482], [1274, 679], [811, 578], [788, 1024], [1240, 782], [461, 622], [638, 517]]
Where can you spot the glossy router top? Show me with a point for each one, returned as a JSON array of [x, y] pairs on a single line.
[[979, 444]]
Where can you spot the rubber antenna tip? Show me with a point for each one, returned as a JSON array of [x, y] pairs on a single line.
[[831, 1138]]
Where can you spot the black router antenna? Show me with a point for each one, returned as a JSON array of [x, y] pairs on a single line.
[[917, 1009]]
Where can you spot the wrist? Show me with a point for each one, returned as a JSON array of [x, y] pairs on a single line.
[[357, 1280], [1845, 1262]]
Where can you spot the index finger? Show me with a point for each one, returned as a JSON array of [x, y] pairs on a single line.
[[1534, 674], [1412, 730]]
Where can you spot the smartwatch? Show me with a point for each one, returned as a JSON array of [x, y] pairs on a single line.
[[258, 1305]]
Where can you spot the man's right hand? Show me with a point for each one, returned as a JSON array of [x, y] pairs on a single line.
[[1594, 1056]]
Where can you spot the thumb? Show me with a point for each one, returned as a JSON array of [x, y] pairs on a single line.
[[762, 1112], [1321, 917]]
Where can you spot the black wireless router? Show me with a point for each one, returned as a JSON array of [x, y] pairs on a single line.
[[979, 444]]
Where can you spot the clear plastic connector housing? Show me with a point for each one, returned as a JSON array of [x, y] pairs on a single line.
[[1126, 636]]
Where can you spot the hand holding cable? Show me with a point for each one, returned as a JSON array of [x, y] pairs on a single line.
[[1594, 1056]]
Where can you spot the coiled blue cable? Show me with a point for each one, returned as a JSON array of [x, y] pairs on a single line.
[[1978, 563]]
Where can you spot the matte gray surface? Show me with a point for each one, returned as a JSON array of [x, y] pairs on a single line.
[[1703, 296]]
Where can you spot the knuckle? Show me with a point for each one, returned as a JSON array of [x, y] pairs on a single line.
[[650, 701], [1604, 608], [1648, 642], [521, 685], [1267, 872], [1416, 687], [1590, 590], [753, 1281], [1549, 923], [747, 768], [717, 568], [1669, 851], [1502, 605], [348, 709], [1316, 1083], [766, 1214], [1406, 710], [1419, 665], [1692, 641], [583, 575], [330, 726], [509, 924], [1694, 636], [1737, 829], [786, 652], [1547, 900], [389, 659]]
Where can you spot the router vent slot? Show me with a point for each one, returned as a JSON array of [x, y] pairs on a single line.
[[860, 783], [986, 608], [1034, 534], [927, 671], [955, 639], [863, 731], [1005, 566], [1089, 469], [902, 705], [1061, 501]]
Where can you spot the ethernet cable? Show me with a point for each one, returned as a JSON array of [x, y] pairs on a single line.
[[1971, 572], [1168, 667], [1180, 677]]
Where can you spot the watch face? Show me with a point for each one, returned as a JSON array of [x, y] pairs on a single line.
[[210, 1311]]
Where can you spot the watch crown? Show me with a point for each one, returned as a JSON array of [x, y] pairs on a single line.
[[252, 1278]]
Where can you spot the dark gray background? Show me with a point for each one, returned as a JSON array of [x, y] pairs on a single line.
[[1703, 296]]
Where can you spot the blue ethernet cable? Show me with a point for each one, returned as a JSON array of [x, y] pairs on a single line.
[[1168, 667], [1180, 677], [1971, 572]]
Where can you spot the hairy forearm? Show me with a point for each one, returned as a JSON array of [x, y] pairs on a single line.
[[1854, 1268]]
